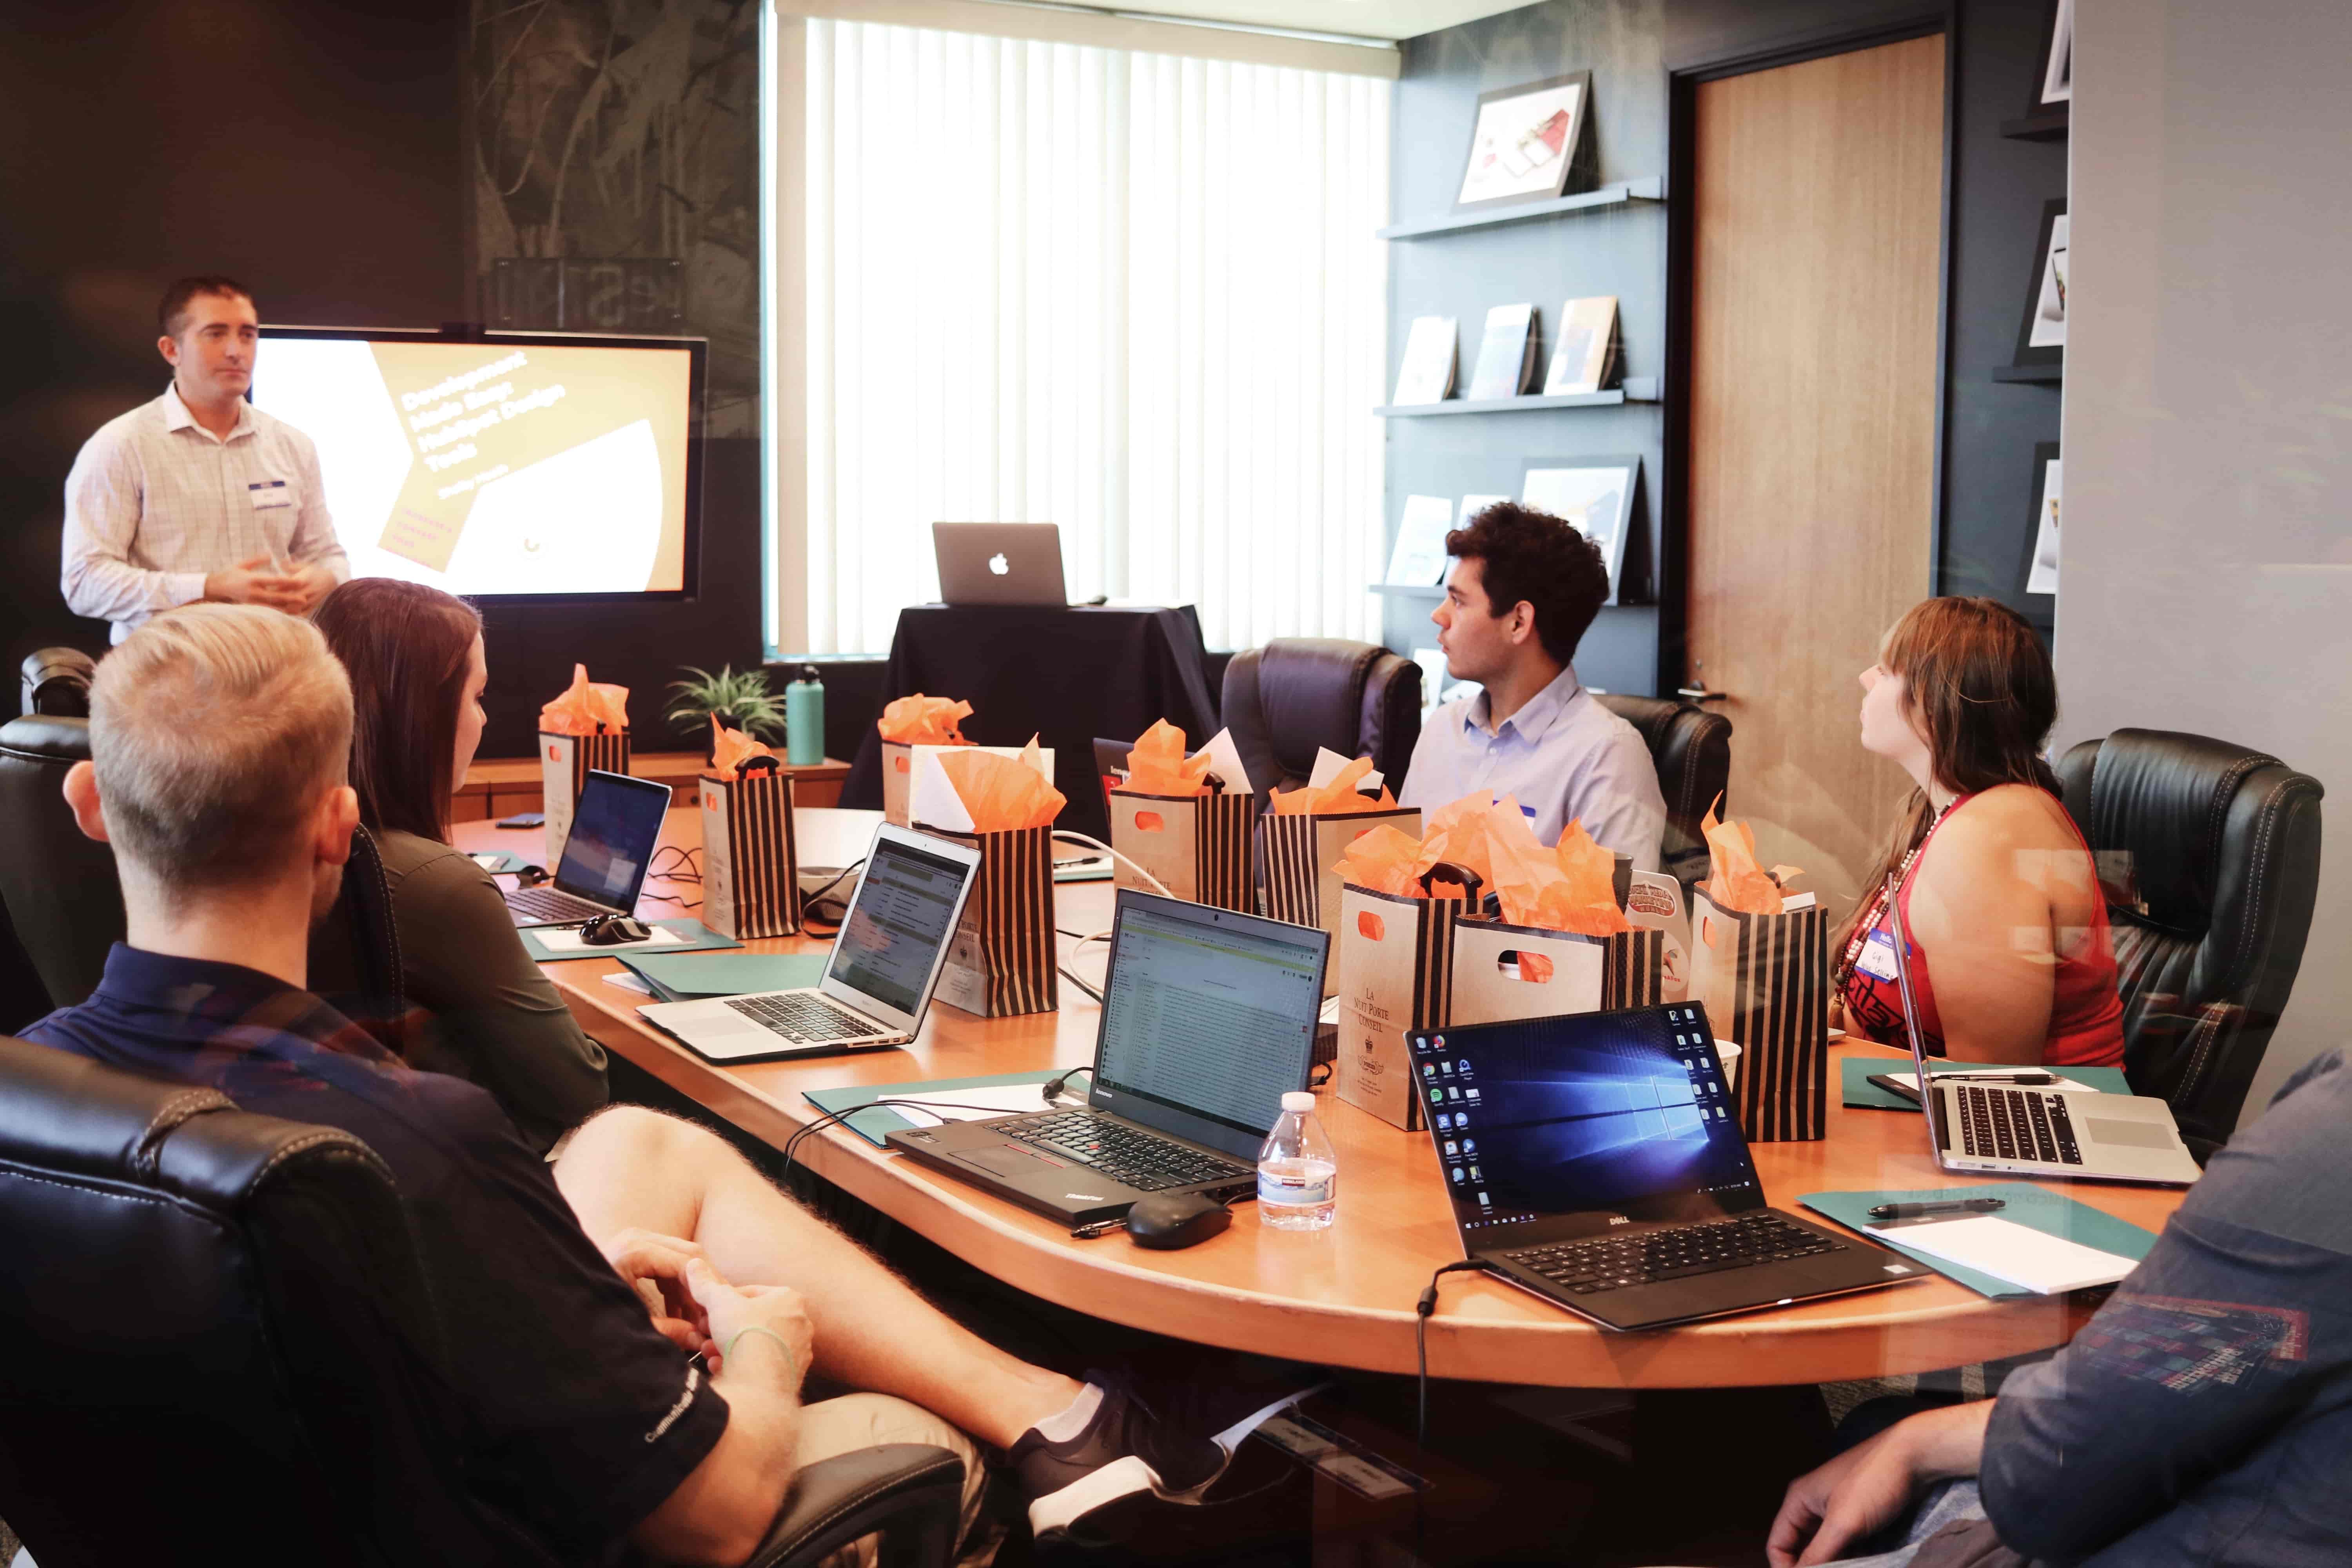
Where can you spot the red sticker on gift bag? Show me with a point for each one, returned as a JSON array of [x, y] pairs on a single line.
[[1149, 822], [1369, 926]]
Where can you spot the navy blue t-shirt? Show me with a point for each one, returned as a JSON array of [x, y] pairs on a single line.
[[581, 1417]]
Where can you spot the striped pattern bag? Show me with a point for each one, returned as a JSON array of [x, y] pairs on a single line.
[[1765, 983], [1001, 962], [1198, 846], [565, 764], [1298, 860], [1396, 972], [1633, 973], [750, 871]]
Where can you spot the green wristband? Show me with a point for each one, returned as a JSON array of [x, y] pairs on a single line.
[[727, 1356]]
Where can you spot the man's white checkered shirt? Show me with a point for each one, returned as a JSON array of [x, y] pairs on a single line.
[[155, 501]]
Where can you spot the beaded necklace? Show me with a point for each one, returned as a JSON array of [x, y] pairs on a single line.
[[1878, 902]]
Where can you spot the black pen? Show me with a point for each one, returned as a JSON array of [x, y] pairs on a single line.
[[2031, 1076], [1912, 1211]]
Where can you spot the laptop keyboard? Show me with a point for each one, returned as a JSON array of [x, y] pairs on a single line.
[[546, 904], [1144, 1160], [1619, 1262], [810, 1020], [2016, 1124]]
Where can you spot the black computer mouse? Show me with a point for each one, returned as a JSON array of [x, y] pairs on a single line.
[[611, 930], [1166, 1221]]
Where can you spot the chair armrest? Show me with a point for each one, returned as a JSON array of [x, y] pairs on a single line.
[[912, 1493]]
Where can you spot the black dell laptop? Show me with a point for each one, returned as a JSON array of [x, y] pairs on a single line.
[[1596, 1161], [1208, 1019]]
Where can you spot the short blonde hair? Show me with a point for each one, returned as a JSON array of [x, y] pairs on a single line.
[[213, 729]]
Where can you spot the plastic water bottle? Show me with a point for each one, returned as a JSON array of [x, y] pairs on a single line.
[[1298, 1174]]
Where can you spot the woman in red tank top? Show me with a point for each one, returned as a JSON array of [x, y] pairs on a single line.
[[2010, 959]]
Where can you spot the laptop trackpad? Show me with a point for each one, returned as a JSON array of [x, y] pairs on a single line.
[[2130, 1134], [1007, 1160]]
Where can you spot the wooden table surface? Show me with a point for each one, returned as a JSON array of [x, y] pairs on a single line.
[[1342, 1296]]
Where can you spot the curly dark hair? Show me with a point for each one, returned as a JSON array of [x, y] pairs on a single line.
[[1534, 556]]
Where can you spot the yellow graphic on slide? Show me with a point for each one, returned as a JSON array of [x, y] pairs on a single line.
[[520, 452]]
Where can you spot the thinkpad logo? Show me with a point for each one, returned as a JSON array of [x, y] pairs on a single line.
[[1085, 1197]]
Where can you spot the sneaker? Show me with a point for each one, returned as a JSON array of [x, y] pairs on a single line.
[[1127, 1456]]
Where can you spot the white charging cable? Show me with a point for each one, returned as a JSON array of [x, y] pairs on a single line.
[[1097, 844]]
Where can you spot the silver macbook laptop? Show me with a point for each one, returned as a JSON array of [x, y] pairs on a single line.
[[999, 562], [878, 981], [613, 830], [1974, 1126]]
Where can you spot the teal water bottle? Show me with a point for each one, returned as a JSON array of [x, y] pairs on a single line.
[[805, 720]]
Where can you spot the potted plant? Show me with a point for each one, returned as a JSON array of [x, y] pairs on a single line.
[[738, 701]]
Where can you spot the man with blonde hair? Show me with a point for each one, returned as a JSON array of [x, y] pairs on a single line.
[[218, 743]]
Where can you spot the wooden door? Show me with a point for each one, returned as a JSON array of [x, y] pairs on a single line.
[[1817, 221]]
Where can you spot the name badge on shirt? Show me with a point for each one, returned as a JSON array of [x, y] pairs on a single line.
[[268, 493], [1877, 956]]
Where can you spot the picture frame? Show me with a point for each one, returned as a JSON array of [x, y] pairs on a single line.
[[2038, 574], [2041, 334], [1601, 496], [2054, 89], [1526, 143]]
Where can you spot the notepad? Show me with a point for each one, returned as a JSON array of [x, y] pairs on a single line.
[[1946, 1075], [2015, 1254], [687, 977], [566, 939], [971, 1104]]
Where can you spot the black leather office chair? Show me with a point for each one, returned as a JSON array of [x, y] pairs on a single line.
[[213, 1332], [56, 681], [1284, 701], [2223, 846], [1692, 751], [66, 903]]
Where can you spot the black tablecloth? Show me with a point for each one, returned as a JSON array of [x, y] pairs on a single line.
[[1065, 674]]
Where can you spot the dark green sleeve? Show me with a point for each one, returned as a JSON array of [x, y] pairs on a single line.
[[493, 1018]]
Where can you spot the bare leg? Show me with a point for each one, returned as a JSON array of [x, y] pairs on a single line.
[[633, 1167]]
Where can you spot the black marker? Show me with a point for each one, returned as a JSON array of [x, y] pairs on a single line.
[[1913, 1211]]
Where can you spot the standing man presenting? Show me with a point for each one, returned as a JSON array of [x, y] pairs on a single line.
[[198, 495]]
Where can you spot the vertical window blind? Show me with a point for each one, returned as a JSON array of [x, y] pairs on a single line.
[[1134, 295]]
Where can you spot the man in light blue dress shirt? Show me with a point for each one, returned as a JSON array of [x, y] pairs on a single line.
[[1524, 588]]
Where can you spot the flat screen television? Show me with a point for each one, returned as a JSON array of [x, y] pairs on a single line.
[[507, 465]]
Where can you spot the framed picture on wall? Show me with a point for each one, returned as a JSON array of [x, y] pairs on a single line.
[[1525, 142], [1597, 495], [2042, 336], [2055, 88], [2041, 550]]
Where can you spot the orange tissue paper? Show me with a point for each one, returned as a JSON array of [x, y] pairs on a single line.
[[1003, 793], [730, 749], [586, 707], [921, 721], [1577, 892], [1157, 764], [1735, 880], [1338, 798], [1382, 860]]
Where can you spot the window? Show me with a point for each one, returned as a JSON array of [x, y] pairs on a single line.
[[1136, 295]]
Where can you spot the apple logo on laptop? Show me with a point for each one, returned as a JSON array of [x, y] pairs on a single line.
[[998, 564]]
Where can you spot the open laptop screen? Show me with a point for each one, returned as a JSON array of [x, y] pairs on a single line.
[[1208, 1019], [890, 940], [1598, 1113], [614, 831]]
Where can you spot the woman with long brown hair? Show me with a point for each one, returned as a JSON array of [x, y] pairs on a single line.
[[417, 668], [2009, 955]]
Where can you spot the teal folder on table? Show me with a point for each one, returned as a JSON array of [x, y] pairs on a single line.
[[699, 938], [1855, 1085], [878, 1121], [2027, 1204], [690, 976]]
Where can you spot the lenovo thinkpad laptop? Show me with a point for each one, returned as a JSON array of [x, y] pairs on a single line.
[[1596, 1161], [614, 831], [877, 982], [1975, 1126], [1208, 1019], [1000, 563]]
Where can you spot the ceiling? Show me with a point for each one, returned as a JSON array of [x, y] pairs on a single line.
[[1360, 18]]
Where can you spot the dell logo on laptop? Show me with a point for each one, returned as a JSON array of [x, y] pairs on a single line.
[[1619, 1219]]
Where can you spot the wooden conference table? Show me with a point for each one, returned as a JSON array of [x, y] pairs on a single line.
[[1343, 1297]]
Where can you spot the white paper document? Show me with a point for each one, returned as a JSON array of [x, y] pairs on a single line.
[[1419, 559], [566, 939], [2019, 1254], [1225, 762], [1328, 763], [971, 1104]]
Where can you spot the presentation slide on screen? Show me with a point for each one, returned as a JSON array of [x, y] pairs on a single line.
[[492, 469]]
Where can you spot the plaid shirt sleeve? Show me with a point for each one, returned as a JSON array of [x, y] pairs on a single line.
[[104, 497]]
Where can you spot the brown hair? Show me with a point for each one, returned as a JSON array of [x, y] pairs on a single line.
[[405, 647], [172, 314], [1979, 684], [1531, 555], [213, 729]]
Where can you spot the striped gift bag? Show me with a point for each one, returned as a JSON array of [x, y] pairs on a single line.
[[751, 874], [1002, 961], [1298, 860], [1765, 983], [564, 763], [1396, 972], [1198, 846]]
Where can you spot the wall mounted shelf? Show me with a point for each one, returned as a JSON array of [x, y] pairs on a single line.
[[2048, 125], [2045, 375], [1637, 389], [1410, 590], [1625, 193]]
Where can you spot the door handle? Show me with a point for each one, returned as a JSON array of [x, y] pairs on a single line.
[[1701, 694]]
